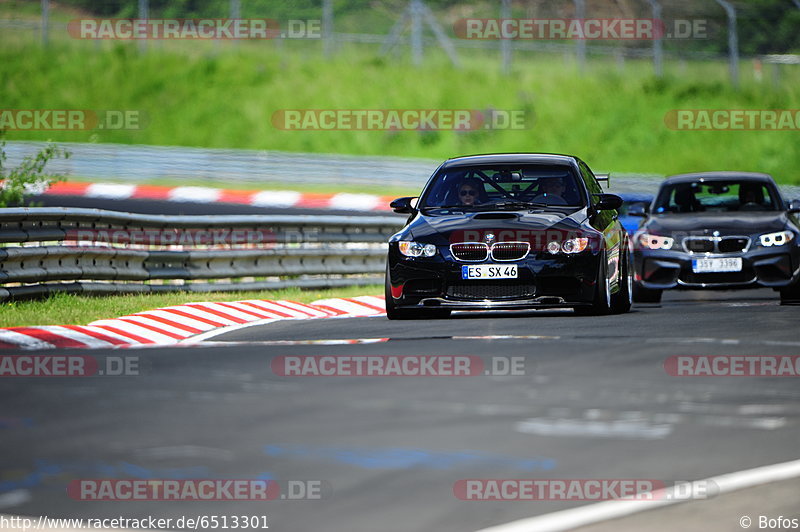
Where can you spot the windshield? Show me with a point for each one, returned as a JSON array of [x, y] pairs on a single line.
[[716, 196], [503, 186]]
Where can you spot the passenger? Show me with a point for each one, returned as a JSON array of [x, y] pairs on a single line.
[[469, 192]]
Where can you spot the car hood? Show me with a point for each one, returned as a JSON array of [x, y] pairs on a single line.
[[727, 223], [442, 228]]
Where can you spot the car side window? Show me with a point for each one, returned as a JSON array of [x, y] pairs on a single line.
[[591, 182]]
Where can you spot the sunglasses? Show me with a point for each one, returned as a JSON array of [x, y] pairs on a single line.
[[469, 192]]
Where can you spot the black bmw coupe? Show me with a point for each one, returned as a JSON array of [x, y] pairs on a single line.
[[718, 230], [509, 231]]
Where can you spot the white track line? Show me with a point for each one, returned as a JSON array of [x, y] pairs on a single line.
[[110, 190], [302, 308], [275, 198], [223, 330], [352, 308], [25, 341], [177, 318], [138, 330], [356, 202], [195, 194], [14, 498], [89, 341], [604, 511]]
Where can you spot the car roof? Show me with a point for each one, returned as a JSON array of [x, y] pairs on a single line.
[[510, 158], [719, 176]]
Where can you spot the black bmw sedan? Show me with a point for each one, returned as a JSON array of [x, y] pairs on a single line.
[[718, 230], [509, 231]]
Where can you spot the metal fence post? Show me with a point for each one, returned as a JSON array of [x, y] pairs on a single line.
[[144, 14], [45, 20], [416, 32], [580, 13], [733, 41], [234, 13], [327, 27], [505, 44], [658, 45]]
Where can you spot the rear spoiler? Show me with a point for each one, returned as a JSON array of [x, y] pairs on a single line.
[[604, 177]]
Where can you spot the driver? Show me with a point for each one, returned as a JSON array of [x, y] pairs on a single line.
[[751, 197], [551, 190]]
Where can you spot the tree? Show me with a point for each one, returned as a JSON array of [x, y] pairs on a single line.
[[29, 176]]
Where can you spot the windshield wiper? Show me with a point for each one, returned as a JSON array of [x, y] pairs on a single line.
[[515, 205], [456, 207]]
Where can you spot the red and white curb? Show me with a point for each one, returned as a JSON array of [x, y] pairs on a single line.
[[189, 322], [255, 198]]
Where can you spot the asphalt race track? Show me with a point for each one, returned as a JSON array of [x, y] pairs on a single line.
[[595, 402]]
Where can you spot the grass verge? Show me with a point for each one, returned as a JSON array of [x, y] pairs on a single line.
[[71, 309], [612, 116]]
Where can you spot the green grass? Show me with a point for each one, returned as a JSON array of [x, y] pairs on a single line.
[[225, 97], [70, 309]]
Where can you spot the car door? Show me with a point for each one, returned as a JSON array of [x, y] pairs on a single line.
[[607, 222]]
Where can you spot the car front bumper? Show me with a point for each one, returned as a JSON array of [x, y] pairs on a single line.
[[761, 267], [560, 281]]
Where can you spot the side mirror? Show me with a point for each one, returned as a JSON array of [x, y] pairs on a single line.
[[608, 202], [403, 205], [794, 206], [638, 209]]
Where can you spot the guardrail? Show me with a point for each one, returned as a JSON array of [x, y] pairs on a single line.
[[141, 163], [46, 250], [138, 164]]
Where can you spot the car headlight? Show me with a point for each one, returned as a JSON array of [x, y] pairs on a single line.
[[648, 241], [570, 247], [776, 239], [415, 249]]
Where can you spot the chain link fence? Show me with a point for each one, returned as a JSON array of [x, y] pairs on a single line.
[[698, 30]]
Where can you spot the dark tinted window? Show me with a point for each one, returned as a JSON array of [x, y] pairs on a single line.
[[588, 177], [487, 185], [716, 196]]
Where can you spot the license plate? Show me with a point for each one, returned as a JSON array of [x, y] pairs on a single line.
[[489, 271], [732, 264]]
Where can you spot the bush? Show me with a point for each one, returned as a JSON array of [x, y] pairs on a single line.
[[29, 176]]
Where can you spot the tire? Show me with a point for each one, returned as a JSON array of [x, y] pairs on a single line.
[[622, 301], [645, 295], [791, 294], [394, 313], [601, 305]]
